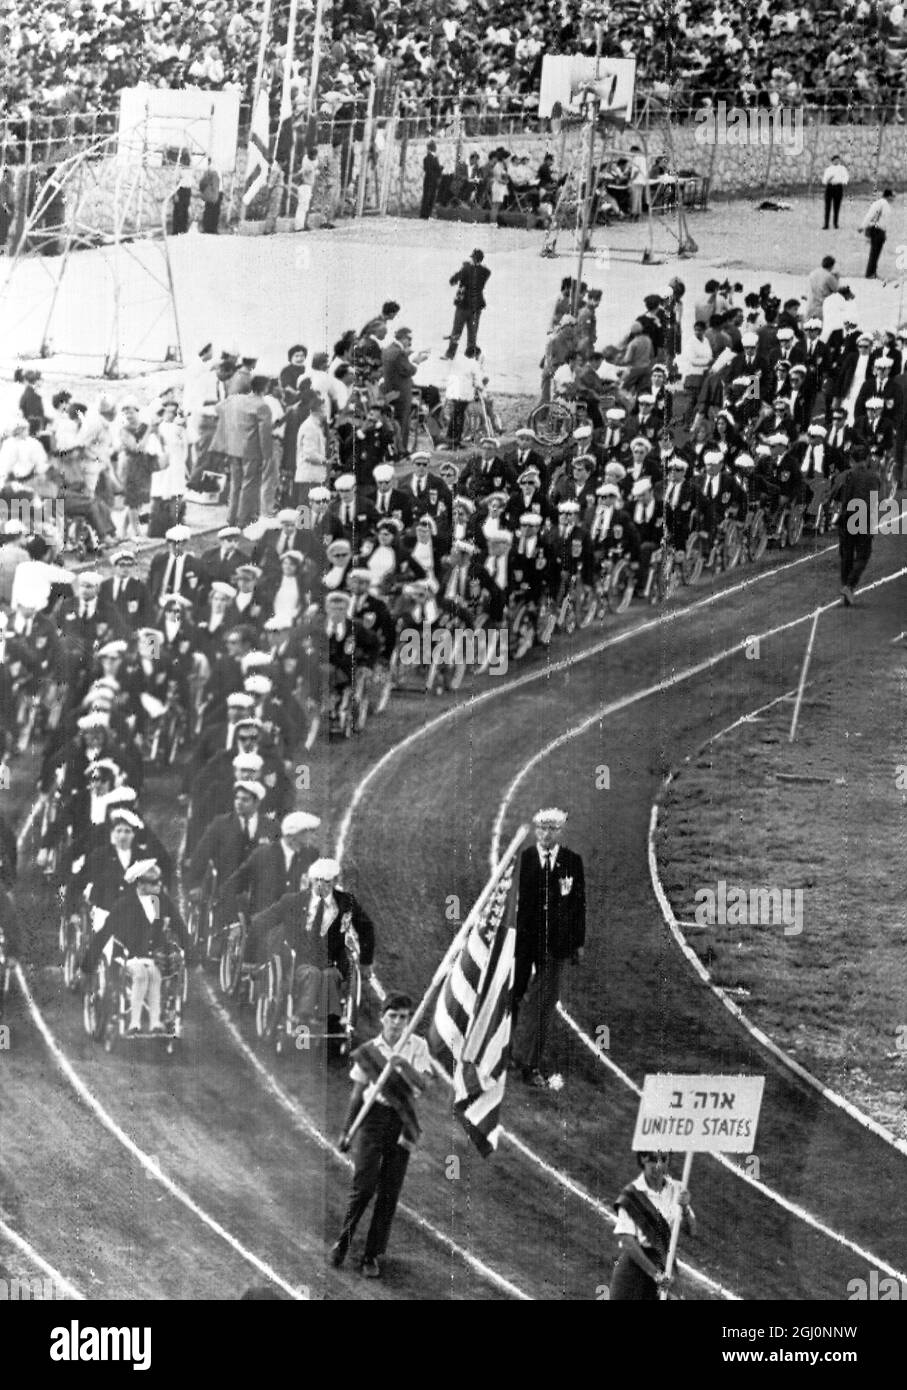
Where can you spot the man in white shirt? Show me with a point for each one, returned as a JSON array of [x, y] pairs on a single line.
[[311, 452], [875, 224], [835, 180], [388, 1132]]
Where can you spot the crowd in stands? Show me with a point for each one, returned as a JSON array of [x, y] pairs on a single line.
[[75, 57]]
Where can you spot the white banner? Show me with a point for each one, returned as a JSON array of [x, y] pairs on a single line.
[[564, 78], [699, 1114], [203, 124]]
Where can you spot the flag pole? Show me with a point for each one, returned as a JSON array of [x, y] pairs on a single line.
[[675, 1228], [256, 85], [286, 100], [316, 54], [440, 974], [802, 686]]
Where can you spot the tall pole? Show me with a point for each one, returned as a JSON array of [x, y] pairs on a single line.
[[589, 198], [366, 149], [286, 100], [262, 50], [316, 54], [675, 1226]]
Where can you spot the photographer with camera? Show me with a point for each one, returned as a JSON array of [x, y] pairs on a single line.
[[469, 301]]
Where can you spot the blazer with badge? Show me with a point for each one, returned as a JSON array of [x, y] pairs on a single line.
[[129, 924], [225, 845], [550, 917], [284, 924], [131, 602], [265, 877]]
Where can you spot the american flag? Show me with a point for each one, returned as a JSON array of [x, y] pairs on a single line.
[[470, 1032], [258, 165]]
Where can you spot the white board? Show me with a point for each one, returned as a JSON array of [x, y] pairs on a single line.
[[155, 119], [564, 77], [699, 1114]]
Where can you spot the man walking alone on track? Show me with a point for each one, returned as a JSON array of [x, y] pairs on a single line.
[[388, 1133], [875, 224], [469, 301], [859, 485], [550, 930]]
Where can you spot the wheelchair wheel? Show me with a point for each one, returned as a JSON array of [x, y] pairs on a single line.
[[588, 607], [730, 546], [665, 577], [230, 966], [568, 616], [547, 622], [174, 741], [267, 1002], [383, 685], [93, 1012], [794, 525], [693, 560], [522, 632], [757, 535], [620, 587]]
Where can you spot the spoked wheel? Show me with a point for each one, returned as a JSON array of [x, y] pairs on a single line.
[[781, 531], [794, 525], [266, 1003], [757, 536], [620, 589], [568, 617], [383, 684], [230, 967], [588, 607], [175, 741], [193, 923], [665, 575], [692, 560], [93, 1009], [546, 626], [71, 965], [360, 718], [523, 629], [731, 546], [821, 520]]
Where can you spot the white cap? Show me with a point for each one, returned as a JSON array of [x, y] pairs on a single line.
[[238, 699], [325, 869], [251, 660], [583, 432], [129, 817], [298, 821], [817, 431], [116, 648], [550, 816], [258, 685], [875, 403], [319, 494], [248, 762], [383, 473], [640, 487], [616, 412], [227, 533], [749, 339], [531, 519], [345, 483], [290, 513], [225, 590], [785, 333], [178, 533], [713, 456], [607, 490], [255, 788], [568, 506], [140, 869]]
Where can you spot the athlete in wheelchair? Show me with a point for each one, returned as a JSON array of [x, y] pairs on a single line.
[[136, 964], [722, 506], [791, 494], [534, 576], [350, 651], [320, 947], [615, 544]]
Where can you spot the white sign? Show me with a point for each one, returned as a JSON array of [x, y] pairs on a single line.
[[699, 1114], [203, 124], [564, 78]]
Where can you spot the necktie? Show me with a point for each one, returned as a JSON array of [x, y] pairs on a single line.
[[168, 574], [83, 611], [348, 516], [116, 589], [316, 921]]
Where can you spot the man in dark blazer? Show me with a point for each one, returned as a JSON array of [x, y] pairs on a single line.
[[275, 868], [399, 365], [146, 921], [174, 571], [469, 301], [426, 492], [125, 592], [230, 838], [387, 499], [855, 494], [431, 177], [314, 923], [550, 930]]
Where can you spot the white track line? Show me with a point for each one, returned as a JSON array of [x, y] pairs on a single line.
[[149, 1164], [27, 824], [67, 1289], [762, 1038], [548, 670], [625, 701], [302, 1122], [795, 1210]]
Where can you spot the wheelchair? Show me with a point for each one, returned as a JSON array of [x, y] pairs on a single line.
[[717, 552], [106, 1001], [614, 586], [665, 574], [785, 526], [275, 1017], [529, 622], [201, 933], [169, 727], [74, 936], [239, 978], [347, 706]]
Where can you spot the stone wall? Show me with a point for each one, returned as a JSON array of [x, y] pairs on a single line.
[[791, 161]]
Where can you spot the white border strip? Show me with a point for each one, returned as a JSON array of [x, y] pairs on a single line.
[[149, 1164], [302, 1122], [68, 1290]]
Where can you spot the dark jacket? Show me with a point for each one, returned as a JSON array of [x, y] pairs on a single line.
[[550, 922], [285, 926]]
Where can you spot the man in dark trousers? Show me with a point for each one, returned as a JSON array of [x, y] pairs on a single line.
[[431, 166], [859, 487], [550, 930], [389, 1131], [469, 301]]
